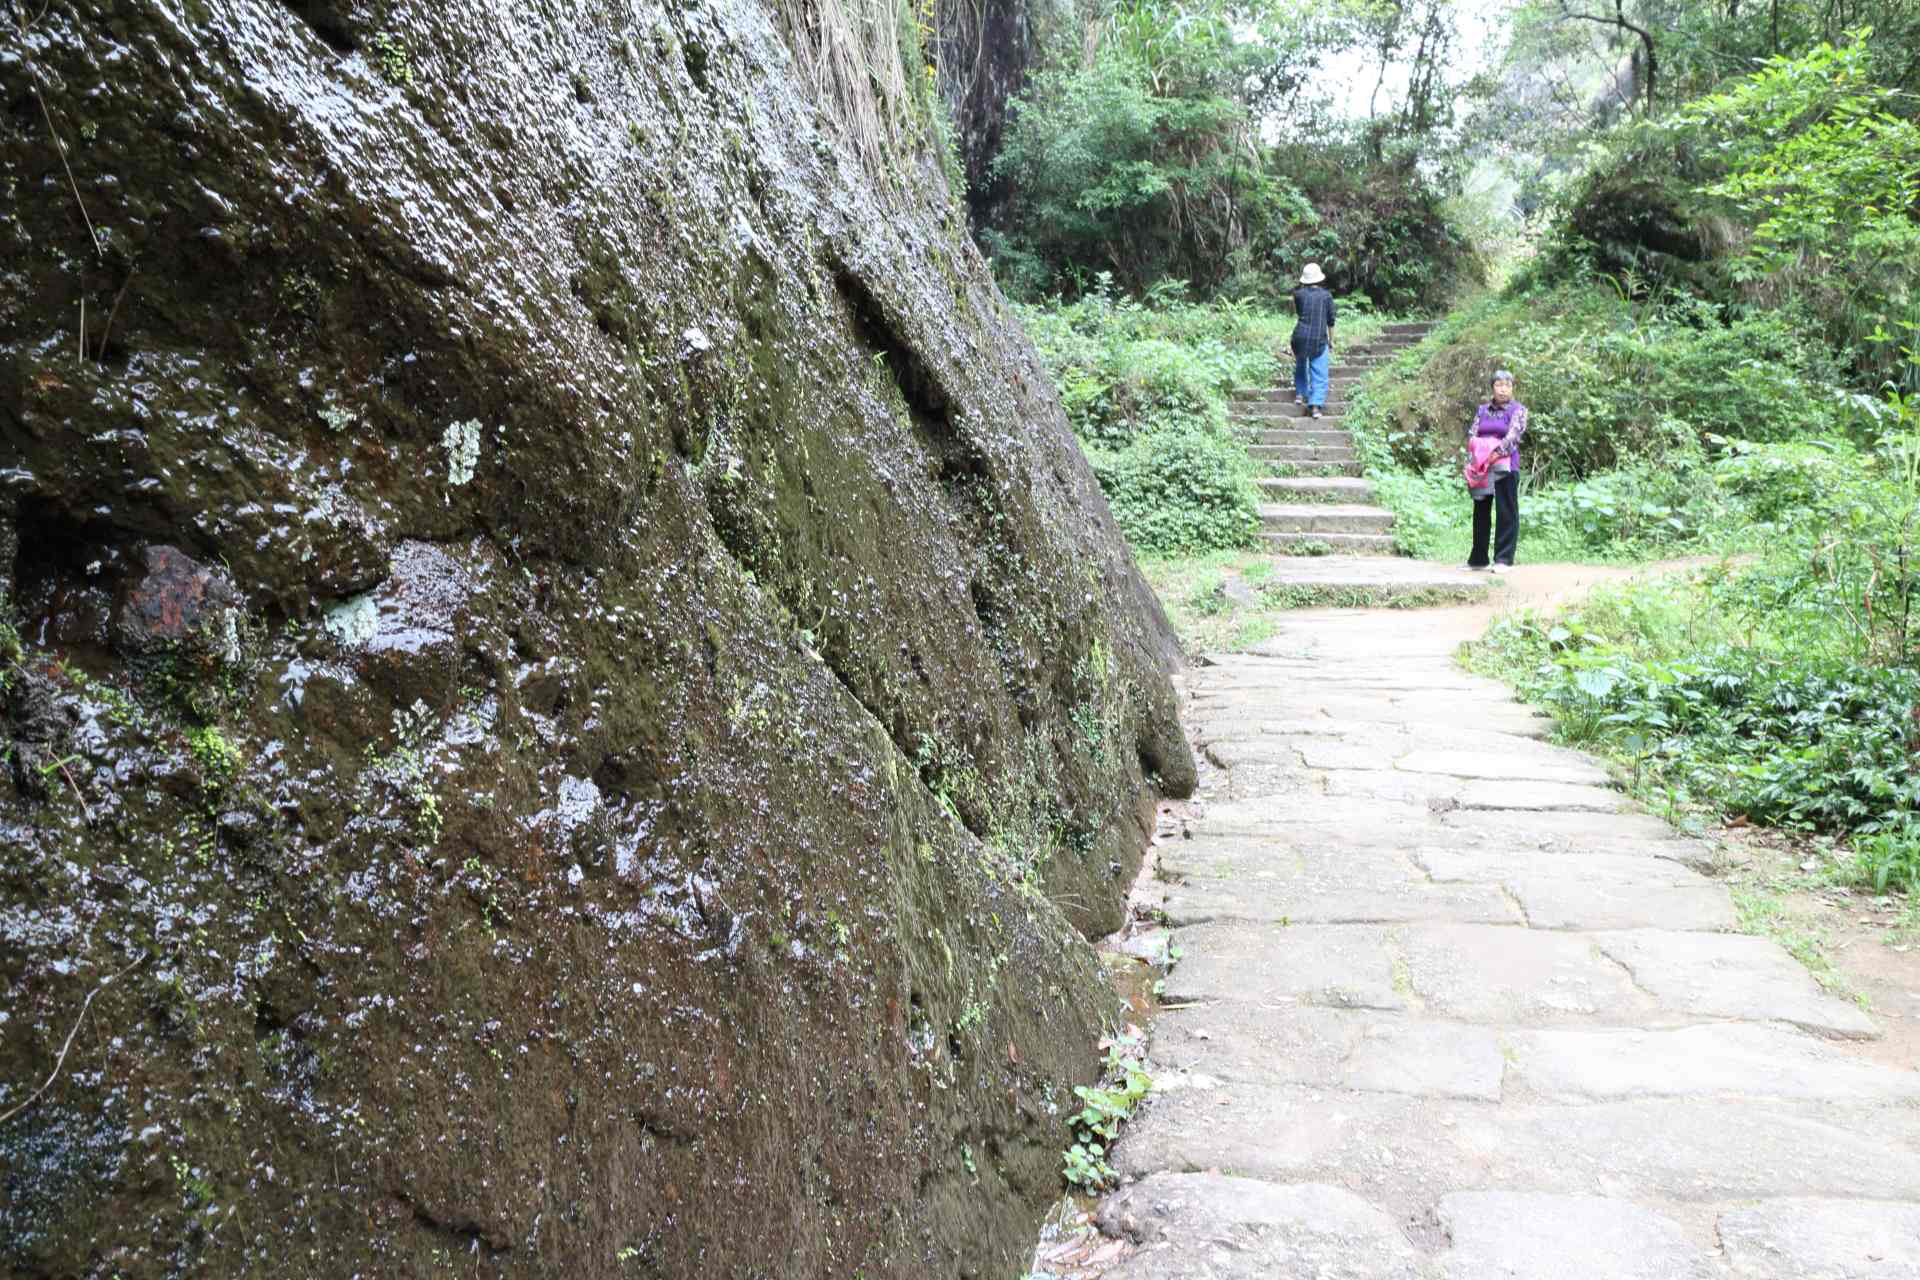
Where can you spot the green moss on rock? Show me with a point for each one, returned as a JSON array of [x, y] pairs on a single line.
[[553, 878]]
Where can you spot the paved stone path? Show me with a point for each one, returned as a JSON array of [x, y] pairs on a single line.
[[1445, 1007]]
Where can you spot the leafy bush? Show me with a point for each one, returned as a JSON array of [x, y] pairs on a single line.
[[1779, 737], [1123, 366], [1608, 382], [1795, 187], [1145, 156], [1178, 490], [1145, 386]]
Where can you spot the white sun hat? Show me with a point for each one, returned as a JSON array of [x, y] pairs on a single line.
[[1313, 274]]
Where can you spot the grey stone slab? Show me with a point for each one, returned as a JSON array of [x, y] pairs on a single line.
[[1420, 789], [1573, 832], [1728, 976], [1293, 1044], [1427, 1059], [1547, 1237], [1345, 966], [1373, 571], [1514, 767], [1254, 711], [1525, 795], [1231, 755], [1711, 1060], [1349, 753], [1206, 1226], [1358, 899], [1518, 977], [1357, 822], [1564, 902], [1291, 673], [1403, 1153], [1811, 1239], [1450, 864]]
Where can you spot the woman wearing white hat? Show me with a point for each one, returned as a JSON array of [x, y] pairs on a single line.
[[1312, 339]]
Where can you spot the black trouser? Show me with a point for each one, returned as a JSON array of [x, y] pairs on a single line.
[[1506, 499]]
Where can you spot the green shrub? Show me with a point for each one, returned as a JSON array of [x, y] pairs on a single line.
[[1609, 383], [1145, 385], [1768, 732], [1178, 490]]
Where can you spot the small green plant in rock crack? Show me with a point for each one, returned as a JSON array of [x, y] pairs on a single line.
[[407, 768], [216, 755], [195, 1188], [392, 60], [484, 884], [1104, 1108], [1100, 713]]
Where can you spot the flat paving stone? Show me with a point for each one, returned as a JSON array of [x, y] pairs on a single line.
[[1711, 1060], [1366, 571], [1304, 900], [1448, 1007], [1423, 789], [1559, 901], [1403, 1153], [1343, 966], [1208, 1226], [1364, 822], [1808, 1239], [1574, 832], [1505, 1233], [1446, 864], [1518, 977], [1292, 1044], [1522, 794], [1460, 764], [1345, 753], [1729, 976]]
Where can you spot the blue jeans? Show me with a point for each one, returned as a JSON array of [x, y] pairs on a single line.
[[1310, 376]]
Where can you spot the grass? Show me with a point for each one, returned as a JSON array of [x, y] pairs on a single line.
[[1763, 906]]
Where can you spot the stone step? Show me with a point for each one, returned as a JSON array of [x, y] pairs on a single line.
[[1323, 517], [1316, 488], [1271, 412], [1283, 468], [1352, 544], [1303, 453], [1420, 328], [1251, 398], [1297, 435]]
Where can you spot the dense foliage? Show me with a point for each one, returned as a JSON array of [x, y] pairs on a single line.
[[1794, 187], [1145, 387], [1188, 143], [1753, 727]]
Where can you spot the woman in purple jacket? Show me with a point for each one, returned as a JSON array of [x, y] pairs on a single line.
[[1504, 419]]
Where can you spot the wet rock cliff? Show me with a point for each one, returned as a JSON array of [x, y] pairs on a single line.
[[568, 701]]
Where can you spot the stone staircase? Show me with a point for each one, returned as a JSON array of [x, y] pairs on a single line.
[[1319, 502]]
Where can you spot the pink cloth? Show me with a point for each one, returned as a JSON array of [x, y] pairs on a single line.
[[1480, 463]]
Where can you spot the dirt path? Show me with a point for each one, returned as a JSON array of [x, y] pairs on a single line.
[[1447, 1007]]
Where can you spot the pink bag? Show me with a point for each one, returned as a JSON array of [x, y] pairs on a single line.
[[1479, 468]]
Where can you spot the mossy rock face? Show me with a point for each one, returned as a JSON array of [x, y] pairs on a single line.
[[673, 700]]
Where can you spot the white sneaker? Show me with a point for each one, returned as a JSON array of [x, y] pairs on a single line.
[[1503, 568]]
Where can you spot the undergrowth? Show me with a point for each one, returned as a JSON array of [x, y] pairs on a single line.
[[1745, 693]]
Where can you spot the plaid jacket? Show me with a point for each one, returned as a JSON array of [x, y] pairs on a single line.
[[1313, 325]]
